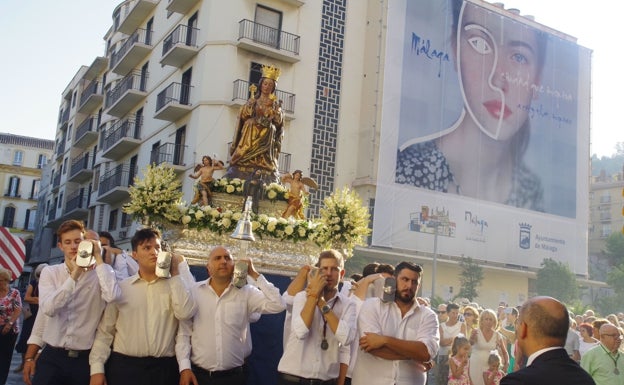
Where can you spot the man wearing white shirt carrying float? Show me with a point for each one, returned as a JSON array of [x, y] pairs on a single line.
[[212, 346], [398, 339], [323, 326], [73, 299], [141, 327]]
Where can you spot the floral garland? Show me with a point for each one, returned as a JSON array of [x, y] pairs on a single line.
[[156, 197], [223, 221], [235, 186], [343, 223]]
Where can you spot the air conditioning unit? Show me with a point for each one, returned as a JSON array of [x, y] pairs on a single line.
[[123, 234]]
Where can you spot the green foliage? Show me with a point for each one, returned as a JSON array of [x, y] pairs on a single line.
[[470, 279], [578, 307], [615, 248], [610, 164], [609, 304], [615, 279], [435, 301], [555, 279]]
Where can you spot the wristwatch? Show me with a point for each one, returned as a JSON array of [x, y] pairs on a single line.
[[325, 309]]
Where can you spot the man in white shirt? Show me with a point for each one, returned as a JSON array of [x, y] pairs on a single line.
[[123, 264], [397, 338], [323, 326], [141, 327], [212, 346], [73, 299]]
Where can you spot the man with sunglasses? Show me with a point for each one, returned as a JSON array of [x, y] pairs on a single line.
[[603, 362]]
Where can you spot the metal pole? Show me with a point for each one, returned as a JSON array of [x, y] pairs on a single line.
[[435, 261]]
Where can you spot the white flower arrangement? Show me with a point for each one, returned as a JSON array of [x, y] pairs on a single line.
[[157, 197], [344, 221], [275, 191]]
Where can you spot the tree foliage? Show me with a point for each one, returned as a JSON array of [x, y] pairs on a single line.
[[556, 280], [615, 248], [470, 278]]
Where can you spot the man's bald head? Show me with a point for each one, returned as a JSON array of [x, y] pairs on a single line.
[[547, 320], [610, 337], [92, 235]]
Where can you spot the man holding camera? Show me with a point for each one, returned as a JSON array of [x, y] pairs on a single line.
[[323, 326], [141, 327], [212, 347], [72, 297]]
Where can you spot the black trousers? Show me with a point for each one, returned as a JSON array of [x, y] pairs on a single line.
[[7, 343], [56, 367], [127, 370], [237, 376]]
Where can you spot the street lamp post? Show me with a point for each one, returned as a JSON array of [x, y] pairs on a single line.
[[436, 225]]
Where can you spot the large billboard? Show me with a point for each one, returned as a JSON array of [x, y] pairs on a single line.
[[484, 137]]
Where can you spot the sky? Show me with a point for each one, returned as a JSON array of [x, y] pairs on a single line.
[[45, 43]]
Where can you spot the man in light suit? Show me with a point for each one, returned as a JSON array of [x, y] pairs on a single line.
[[541, 332]]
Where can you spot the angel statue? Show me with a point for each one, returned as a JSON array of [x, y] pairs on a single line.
[[296, 193]]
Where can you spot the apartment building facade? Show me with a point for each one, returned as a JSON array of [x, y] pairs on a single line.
[[606, 207], [22, 160]]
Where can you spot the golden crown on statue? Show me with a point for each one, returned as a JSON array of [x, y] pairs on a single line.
[[271, 72]]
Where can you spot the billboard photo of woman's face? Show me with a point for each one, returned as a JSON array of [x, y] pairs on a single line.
[[499, 63]]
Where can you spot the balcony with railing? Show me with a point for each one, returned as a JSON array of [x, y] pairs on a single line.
[[64, 118], [173, 102], [297, 3], [180, 46], [132, 14], [13, 194], [52, 214], [113, 186], [269, 41], [56, 182], [170, 153], [77, 205], [240, 95], [122, 137], [81, 170], [132, 52], [91, 97], [181, 6], [86, 133], [128, 92], [60, 147], [605, 216]]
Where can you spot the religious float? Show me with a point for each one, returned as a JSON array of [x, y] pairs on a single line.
[[277, 245]]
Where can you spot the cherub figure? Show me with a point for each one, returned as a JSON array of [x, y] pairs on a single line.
[[296, 193], [204, 173]]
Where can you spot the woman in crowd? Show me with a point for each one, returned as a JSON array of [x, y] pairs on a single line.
[[587, 341], [484, 339], [10, 310], [32, 299], [471, 320]]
